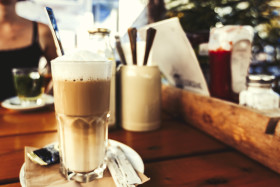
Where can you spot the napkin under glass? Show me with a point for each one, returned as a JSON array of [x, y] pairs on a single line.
[[36, 175]]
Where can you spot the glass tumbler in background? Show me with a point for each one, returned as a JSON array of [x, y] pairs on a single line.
[[99, 43], [81, 98], [29, 85]]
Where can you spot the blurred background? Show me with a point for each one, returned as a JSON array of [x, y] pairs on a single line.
[[76, 17], [197, 17]]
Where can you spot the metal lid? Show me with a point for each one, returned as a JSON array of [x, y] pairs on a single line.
[[99, 30], [260, 80]]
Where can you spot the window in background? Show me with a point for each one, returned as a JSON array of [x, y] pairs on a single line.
[[76, 17]]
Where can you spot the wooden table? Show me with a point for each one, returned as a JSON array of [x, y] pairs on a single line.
[[175, 155]]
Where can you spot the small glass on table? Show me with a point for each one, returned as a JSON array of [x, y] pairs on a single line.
[[29, 85]]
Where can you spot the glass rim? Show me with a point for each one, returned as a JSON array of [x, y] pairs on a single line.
[[25, 69], [139, 67], [81, 61]]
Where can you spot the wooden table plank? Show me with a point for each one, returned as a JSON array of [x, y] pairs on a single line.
[[16, 123], [11, 185], [16, 143], [174, 139], [225, 169], [175, 155], [10, 166], [12, 152]]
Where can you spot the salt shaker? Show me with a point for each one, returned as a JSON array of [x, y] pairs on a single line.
[[259, 94]]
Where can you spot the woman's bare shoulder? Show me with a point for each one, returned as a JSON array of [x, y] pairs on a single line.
[[45, 34], [46, 41], [44, 29]]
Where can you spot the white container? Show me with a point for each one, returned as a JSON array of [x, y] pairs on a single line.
[[140, 98], [259, 94]]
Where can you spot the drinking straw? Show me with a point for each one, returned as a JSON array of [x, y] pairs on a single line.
[[54, 30]]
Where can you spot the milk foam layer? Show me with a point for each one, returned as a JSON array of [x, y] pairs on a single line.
[[75, 71], [81, 55]]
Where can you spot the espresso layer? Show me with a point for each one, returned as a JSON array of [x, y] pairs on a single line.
[[81, 98]]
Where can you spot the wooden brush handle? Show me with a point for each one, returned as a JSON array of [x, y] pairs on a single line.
[[132, 33], [120, 50], [151, 32]]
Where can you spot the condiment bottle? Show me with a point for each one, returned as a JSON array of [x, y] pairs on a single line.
[[99, 42], [259, 94], [229, 57]]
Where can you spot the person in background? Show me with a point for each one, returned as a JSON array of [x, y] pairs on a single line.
[[156, 10], [22, 44]]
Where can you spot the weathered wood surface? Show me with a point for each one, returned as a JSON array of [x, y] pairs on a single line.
[[17, 123], [240, 127], [11, 185], [220, 169], [174, 155], [174, 139]]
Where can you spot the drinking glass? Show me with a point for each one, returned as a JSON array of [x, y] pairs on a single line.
[[81, 99], [28, 84]]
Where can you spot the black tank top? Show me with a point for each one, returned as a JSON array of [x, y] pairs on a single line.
[[22, 57]]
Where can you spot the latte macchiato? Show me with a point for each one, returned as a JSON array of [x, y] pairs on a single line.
[[81, 94]]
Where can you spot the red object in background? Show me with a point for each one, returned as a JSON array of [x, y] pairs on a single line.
[[220, 74]]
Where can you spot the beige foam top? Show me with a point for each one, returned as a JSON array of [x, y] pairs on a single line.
[[81, 65]]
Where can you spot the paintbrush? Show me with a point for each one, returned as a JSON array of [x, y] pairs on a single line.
[[151, 32], [120, 50], [132, 33]]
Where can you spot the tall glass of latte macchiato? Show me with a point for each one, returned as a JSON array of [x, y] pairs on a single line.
[[81, 97]]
